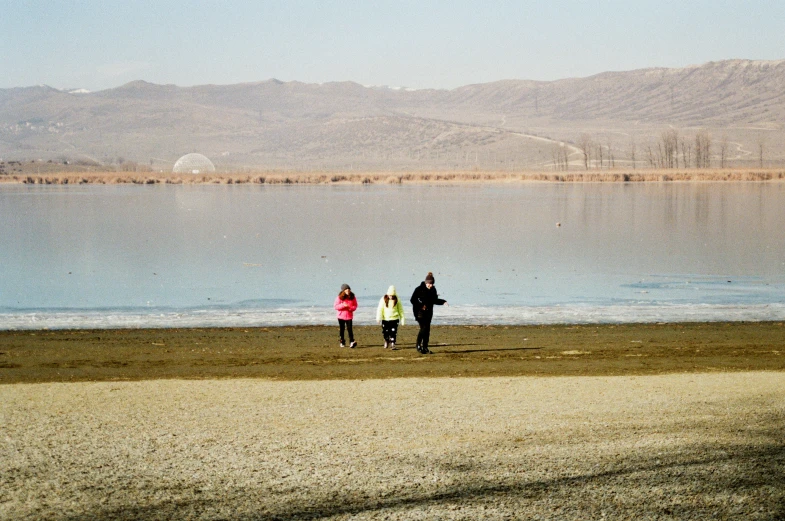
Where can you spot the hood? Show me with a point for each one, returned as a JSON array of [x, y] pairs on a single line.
[[391, 291]]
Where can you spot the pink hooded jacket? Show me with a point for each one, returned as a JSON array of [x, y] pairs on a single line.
[[345, 308]]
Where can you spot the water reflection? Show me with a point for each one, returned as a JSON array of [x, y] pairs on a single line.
[[179, 248]]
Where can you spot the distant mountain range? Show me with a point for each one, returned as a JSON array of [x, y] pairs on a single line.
[[344, 125]]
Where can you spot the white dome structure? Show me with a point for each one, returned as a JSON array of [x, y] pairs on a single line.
[[193, 164]]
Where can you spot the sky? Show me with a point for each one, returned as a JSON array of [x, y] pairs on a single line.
[[101, 44]]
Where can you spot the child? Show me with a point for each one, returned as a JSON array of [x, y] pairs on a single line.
[[345, 304], [390, 314]]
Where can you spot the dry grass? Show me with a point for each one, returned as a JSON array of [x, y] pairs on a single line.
[[278, 178]]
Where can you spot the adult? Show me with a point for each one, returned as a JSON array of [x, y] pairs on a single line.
[[423, 299]]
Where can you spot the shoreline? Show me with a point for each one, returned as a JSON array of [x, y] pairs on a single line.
[[396, 178], [312, 352]]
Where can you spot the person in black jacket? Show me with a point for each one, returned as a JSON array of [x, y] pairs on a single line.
[[423, 299]]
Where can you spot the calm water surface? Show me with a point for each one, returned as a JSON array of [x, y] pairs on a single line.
[[108, 256]]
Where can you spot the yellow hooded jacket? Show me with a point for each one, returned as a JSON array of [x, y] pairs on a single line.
[[390, 311]]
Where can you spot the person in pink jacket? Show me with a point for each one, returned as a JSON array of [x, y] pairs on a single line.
[[345, 304]]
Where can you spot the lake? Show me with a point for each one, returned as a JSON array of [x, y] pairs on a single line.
[[517, 253]]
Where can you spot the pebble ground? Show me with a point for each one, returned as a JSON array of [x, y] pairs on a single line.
[[682, 446]]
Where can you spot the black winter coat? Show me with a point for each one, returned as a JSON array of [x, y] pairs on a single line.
[[423, 300]]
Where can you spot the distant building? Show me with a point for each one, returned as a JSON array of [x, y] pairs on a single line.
[[193, 164]]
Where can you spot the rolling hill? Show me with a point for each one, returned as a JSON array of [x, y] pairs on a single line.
[[509, 124]]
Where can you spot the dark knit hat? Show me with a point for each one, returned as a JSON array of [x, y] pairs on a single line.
[[429, 278], [344, 287]]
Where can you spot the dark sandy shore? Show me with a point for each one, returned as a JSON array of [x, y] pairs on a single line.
[[312, 353]]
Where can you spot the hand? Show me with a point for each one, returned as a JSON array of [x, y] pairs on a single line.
[[446, 304]]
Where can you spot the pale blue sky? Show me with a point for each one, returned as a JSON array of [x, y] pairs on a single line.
[[99, 44]]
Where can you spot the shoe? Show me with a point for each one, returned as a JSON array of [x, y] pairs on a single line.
[[425, 351], [343, 345], [385, 344], [392, 346], [353, 344]]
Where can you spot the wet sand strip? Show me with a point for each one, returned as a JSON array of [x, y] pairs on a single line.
[[312, 352]]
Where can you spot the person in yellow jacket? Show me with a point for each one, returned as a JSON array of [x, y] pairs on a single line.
[[390, 314]]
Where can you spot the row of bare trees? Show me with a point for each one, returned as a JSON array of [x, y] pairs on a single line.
[[597, 154], [671, 150], [561, 157]]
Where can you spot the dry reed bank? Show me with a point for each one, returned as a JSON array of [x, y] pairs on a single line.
[[289, 178]]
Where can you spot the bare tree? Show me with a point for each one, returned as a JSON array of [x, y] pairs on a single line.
[[585, 144], [632, 151], [650, 156], [723, 150], [599, 156], [669, 146], [686, 152], [611, 159], [761, 148], [702, 149]]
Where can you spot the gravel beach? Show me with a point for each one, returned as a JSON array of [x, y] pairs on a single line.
[[674, 446]]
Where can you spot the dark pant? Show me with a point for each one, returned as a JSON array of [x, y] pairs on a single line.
[[348, 325], [424, 336], [390, 330]]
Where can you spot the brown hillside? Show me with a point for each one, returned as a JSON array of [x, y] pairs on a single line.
[[504, 125]]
